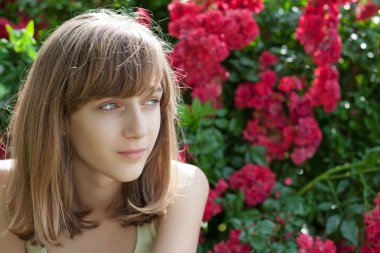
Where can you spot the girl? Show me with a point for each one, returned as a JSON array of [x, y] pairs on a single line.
[[94, 148]]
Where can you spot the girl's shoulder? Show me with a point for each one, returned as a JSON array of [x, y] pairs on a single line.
[[188, 175], [178, 229]]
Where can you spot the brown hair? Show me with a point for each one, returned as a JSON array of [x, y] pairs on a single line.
[[96, 54]]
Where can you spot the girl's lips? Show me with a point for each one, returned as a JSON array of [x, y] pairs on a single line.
[[133, 154]]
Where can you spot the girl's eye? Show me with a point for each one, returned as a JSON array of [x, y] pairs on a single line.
[[152, 102], [109, 106]]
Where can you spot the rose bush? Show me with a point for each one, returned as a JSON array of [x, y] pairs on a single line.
[[290, 104]]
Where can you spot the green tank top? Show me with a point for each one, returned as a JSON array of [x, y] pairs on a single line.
[[145, 239]]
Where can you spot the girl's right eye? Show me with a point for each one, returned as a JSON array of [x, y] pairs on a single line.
[[109, 106]]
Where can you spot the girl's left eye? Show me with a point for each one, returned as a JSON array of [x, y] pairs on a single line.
[[109, 106], [152, 102]]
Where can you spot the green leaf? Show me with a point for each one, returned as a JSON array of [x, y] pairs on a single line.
[[222, 112], [9, 29], [323, 187], [295, 205], [332, 223], [342, 186], [325, 206], [349, 230], [265, 227], [278, 247], [247, 61], [197, 108], [258, 243], [30, 28], [236, 223], [234, 204], [235, 127], [250, 215], [356, 208], [31, 52], [256, 154], [221, 123]]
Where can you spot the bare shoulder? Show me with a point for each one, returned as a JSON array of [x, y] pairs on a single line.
[[189, 176], [8, 241], [179, 229]]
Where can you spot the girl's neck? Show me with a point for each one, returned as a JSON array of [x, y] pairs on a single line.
[[96, 191]]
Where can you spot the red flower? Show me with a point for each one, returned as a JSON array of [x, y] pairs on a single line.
[[307, 131], [325, 90], [255, 6], [343, 248], [299, 107], [367, 11], [269, 77], [184, 154], [288, 181], [377, 200], [213, 208], [221, 186], [144, 17], [262, 88], [232, 245], [239, 28], [306, 244], [267, 59], [307, 136], [244, 95], [372, 229], [318, 32], [256, 181], [290, 83], [178, 10], [202, 63], [205, 40], [329, 50], [310, 28]]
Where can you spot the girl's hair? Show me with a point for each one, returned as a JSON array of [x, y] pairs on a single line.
[[93, 55]]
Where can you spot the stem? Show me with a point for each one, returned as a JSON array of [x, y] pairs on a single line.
[[349, 174], [367, 188], [327, 173], [336, 199]]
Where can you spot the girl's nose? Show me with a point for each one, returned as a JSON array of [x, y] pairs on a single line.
[[134, 123]]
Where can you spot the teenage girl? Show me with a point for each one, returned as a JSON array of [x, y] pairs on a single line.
[[93, 147]]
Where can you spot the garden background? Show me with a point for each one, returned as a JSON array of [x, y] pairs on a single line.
[[281, 111]]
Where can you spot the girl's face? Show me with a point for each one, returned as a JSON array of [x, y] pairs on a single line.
[[113, 137]]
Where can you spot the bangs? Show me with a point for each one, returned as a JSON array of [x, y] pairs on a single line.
[[115, 64]]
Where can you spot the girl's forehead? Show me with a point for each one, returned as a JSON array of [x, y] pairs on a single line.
[[154, 89], [148, 90]]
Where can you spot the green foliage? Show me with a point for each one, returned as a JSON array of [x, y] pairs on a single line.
[[22, 40], [15, 55], [331, 191], [208, 136]]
